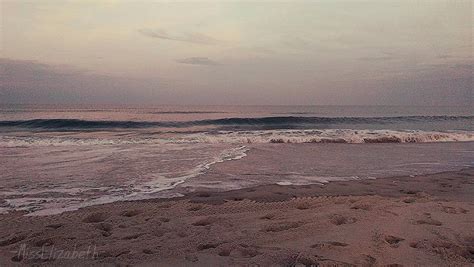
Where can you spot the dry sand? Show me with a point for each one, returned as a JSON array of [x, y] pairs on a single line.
[[424, 220]]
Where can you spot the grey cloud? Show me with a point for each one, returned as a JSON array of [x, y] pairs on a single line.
[[260, 50], [198, 61], [463, 66], [445, 84], [445, 56], [296, 42], [381, 58], [23, 81], [196, 38]]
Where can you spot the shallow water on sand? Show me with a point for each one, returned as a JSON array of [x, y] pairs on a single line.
[[300, 164]]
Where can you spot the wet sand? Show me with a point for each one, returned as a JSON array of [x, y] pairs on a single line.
[[424, 220]]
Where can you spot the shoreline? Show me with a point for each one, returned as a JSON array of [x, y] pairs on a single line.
[[263, 164], [384, 186], [426, 219]]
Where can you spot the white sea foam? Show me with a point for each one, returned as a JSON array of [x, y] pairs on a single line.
[[161, 183], [331, 136], [311, 179], [40, 202], [27, 141], [244, 137]]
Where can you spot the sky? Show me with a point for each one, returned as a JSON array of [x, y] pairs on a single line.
[[332, 52]]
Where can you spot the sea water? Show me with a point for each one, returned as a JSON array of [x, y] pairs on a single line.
[[59, 158]]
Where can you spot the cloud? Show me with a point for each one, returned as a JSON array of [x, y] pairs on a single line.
[[445, 56], [196, 38], [26, 81], [296, 42], [442, 84], [198, 61], [464, 66], [380, 58]]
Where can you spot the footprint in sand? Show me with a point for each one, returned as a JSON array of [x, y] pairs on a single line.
[[329, 244], [278, 227], [447, 248], [337, 219], [307, 261], [361, 206], [303, 206], [123, 252], [367, 260], [195, 208], [181, 234], [164, 219], [95, 217], [191, 258], [106, 228], [453, 210], [269, 216], [131, 237], [17, 258], [394, 241], [43, 242], [207, 246], [225, 251], [409, 200], [245, 252], [113, 253], [12, 240], [240, 251], [54, 225], [147, 251], [157, 232], [413, 244], [130, 213], [409, 192], [204, 221], [429, 221], [298, 260], [203, 194]]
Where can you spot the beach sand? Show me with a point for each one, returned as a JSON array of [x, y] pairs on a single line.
[[424, 220]]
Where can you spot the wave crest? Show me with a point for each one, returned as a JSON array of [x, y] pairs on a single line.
[[333, 136], [261, 121], [246, 137]]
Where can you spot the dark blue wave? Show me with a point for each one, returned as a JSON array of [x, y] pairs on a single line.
[[74, 124], [332, 120], [188, 112], [262, 121]]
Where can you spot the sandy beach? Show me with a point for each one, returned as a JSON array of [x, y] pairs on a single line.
[[401, 221]]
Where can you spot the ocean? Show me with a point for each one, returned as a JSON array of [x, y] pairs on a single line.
[[63, 157]]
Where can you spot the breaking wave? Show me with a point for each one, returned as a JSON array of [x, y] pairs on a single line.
[[281, 122], [247, 137], [333, 136]]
